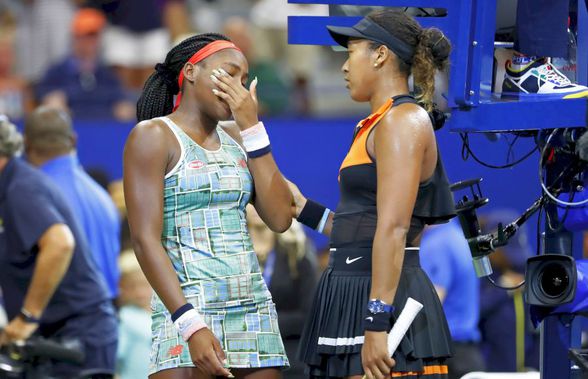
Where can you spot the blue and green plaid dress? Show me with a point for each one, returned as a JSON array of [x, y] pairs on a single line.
[[205, 236]]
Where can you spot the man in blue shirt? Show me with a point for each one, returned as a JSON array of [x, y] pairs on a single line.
[[49, 281], [50, 145], [446, 258], [81, 82]]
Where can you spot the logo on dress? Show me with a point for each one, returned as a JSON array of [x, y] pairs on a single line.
[[175, 350], [196, 164]]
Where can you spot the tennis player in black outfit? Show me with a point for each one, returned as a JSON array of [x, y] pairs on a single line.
[[392, 184]]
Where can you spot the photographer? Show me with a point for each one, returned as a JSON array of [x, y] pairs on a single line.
[[50, 284]]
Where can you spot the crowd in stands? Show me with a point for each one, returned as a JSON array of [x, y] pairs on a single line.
[[91, 57]]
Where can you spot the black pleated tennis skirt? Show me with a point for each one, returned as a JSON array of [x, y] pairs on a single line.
[[333, 335]]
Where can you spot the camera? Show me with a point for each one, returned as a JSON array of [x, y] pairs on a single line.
[[555, 283], [31, 359], [550, 280]]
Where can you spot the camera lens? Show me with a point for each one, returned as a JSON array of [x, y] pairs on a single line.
[[554, 280]]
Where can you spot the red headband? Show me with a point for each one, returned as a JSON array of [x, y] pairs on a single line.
[[200, 55]]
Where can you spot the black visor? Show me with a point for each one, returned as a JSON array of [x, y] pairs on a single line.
[[368, 29]]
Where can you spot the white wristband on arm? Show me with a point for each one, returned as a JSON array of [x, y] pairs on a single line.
[[189, 323], [256, 141]]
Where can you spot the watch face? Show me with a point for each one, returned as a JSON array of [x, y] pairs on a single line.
[[375, 307]]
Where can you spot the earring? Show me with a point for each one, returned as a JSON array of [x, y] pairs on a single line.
[[375, 65]]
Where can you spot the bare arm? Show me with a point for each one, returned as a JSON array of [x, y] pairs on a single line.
[[146, 158], [401, 140], [272, 196], [56, 246]]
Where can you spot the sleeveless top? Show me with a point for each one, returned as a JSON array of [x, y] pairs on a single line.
[[204, 228], [354, 223]]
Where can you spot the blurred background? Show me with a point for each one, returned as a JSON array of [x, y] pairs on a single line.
[[92, 57]]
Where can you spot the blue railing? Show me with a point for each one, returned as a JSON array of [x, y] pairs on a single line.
[[470, 25]]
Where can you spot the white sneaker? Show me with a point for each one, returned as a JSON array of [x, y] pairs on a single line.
[[539, 78]]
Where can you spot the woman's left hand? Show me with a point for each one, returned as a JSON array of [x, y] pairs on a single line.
[[243, 102], [376, 361]]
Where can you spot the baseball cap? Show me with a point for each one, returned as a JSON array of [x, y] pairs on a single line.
[[88, 21]]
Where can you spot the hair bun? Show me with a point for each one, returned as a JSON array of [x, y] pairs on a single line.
[[169, 77], [438, 44]]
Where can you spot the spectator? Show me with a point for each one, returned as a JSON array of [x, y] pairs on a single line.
[[541, 32], [82, 82], [291, 274], [50, 144], [446, 258], [140, 35], [270, 18], [50, 284], [135, 319], [42, 35], [207, 15], [15, 96], [509, 342], [273, 92], [100, 176]]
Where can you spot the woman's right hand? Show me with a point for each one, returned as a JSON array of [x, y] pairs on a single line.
[[207, 353], [243, 102], [298, 199]]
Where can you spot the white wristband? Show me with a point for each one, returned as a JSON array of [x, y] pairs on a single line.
[[255, 138], [323, 223], [189, 323]]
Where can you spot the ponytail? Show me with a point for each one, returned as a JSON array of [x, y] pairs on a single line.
[[431, 54], [431, 50]]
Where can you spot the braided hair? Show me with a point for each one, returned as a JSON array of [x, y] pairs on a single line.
[[158, 93]]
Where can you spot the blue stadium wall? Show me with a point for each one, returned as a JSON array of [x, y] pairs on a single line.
[[309, 152]]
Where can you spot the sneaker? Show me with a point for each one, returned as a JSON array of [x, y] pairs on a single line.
[[540, 79]]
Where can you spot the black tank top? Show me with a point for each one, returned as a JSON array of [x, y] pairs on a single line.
[[355, 220]]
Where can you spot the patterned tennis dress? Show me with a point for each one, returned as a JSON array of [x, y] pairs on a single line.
[[205, 236]]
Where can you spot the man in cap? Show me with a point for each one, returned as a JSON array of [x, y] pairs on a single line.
[[81, 82]]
